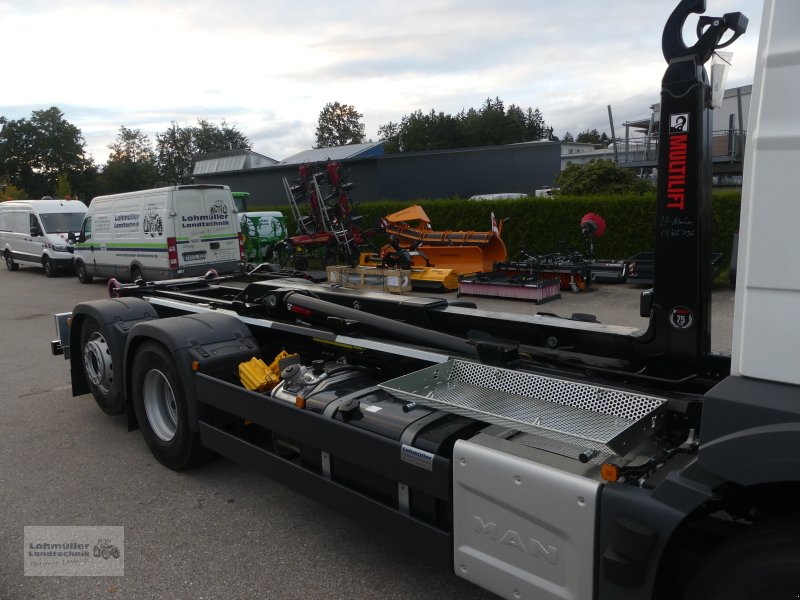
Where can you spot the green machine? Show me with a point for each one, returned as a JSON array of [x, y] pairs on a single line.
[[260, 229]]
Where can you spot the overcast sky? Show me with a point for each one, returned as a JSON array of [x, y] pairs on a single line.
[[268, 67]]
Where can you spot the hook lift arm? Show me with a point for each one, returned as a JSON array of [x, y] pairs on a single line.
[[710, 31]]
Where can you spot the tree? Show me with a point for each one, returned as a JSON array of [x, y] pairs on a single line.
[[568, 137], [132, 163], [592, 136], [600, 177], [8, 191], [178, 147], [212, 138], [33, 152], [390, 135], [339, 125], [491, 124]]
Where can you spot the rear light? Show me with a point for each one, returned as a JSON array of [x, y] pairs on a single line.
[[172, 252], [241, 247]]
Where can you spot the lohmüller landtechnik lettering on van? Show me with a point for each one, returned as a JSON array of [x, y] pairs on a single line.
[[149, 237], [203, 220]]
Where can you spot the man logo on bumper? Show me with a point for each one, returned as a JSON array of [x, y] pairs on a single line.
[[511, 538]]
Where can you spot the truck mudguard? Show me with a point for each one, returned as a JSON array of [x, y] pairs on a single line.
[[217, 341], [116, 317]]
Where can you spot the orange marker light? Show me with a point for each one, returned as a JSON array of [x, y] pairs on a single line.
[[609, 472], [300, 402], [195, 365]]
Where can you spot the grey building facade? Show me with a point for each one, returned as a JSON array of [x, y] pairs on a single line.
[[415, 176]]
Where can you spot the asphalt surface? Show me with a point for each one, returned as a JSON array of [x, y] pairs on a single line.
[[219, 531]]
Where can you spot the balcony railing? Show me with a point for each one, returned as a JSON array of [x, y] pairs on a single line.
[[726, 144]]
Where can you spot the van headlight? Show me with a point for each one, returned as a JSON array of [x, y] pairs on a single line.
[[60, 247]]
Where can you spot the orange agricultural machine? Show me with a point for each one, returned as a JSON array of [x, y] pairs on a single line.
[[414, 244]]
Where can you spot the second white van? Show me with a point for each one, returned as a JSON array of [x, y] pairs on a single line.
[[163, 233], [35, 232]]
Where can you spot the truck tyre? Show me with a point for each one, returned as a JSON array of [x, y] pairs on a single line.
[[160, 404], [99, 369], [49, 267], [10, 264], [83, 276], [762, 561]]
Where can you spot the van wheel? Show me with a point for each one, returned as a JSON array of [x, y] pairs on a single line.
[[161, 408], [83, 276], [10, 264], [99, 369], [49, 269], [136, 273]]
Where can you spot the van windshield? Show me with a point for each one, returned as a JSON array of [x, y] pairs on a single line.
[[61, 222]]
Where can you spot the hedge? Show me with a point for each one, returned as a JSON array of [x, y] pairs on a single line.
[[542, 224]]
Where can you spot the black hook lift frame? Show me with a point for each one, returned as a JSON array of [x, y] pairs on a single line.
[[679, 332]]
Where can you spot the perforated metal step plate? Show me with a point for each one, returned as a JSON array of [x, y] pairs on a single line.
[[579, 414]]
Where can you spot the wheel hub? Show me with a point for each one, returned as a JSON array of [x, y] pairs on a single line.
[[97, 362], [160, 405]]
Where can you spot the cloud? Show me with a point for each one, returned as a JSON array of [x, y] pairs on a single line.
[[270, 67]]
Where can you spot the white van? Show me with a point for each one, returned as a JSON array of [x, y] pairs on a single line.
[[36, 232], [164, 233]]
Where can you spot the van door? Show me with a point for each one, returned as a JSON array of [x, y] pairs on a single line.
[[84, 248], [35, 240], [206, 229]]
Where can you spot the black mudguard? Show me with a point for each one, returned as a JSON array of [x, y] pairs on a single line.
[[116, 317], [217, 341]]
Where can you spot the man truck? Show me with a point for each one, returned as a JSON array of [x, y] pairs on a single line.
[[541, 457]]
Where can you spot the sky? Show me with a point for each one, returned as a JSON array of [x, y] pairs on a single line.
[[269, 67]]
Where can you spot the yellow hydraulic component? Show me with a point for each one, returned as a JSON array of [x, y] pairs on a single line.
[[434, 279], [256, 375]]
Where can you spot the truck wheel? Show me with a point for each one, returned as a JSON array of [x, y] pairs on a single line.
[[762, 561], [10, 264], [161, 409], [49, 268], [99, 369], [83, 276]]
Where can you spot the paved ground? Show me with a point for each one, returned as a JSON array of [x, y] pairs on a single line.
[[219, 531]]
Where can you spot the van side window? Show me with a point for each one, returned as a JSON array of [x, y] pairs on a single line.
[[86, 230]]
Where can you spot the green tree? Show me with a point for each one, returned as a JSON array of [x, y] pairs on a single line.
[[8, 191], [218, 138], [592, 136], [63, 188], [33, 152], [178, 147], [600, 177], [132, 163], [489, 125], [568, 137], [390, 135], [339, 125]]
